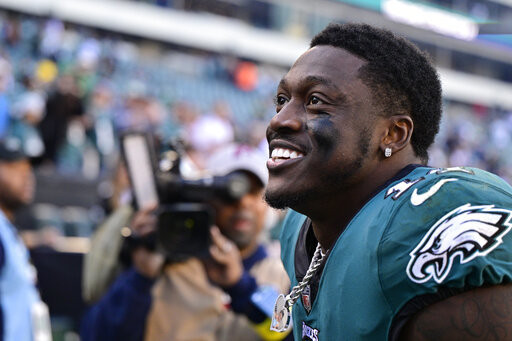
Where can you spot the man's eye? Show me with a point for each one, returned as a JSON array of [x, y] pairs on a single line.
[[280, 100], [315, 100]]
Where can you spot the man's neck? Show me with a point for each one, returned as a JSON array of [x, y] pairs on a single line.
[[9, 214], [247, 251], [329, 227], [336, 213]]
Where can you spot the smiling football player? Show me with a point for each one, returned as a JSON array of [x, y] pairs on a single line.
[[379, 246]]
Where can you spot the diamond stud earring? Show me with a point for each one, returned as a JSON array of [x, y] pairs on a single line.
[[387, 152]]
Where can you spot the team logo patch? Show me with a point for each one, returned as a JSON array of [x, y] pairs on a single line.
[[467, 231], [306, 298], [309, 333]]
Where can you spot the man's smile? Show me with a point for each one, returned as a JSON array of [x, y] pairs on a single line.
[[283, 155]]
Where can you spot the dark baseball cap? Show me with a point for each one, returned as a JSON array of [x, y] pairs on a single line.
[[11, 149]]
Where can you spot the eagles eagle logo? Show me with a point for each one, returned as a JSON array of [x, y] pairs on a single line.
[[467, 231]]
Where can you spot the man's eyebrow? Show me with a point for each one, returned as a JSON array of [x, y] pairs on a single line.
[[313, 80], [282, 84], [320, 80]]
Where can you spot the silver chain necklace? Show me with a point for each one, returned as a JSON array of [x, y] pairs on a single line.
[[283, 306]]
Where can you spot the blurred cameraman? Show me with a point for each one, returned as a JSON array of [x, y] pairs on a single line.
[[219, 298]]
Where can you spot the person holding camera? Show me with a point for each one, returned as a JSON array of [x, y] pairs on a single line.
[[227, 295], [217, 298]]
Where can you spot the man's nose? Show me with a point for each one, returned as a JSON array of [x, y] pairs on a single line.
[[290, 117], [248, 201]]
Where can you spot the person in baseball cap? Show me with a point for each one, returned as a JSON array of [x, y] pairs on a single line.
[[20, 296], [239, 264], [237, 157], [11, 149], [16, 177]]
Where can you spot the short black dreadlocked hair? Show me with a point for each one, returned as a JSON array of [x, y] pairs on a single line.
[[400, 76]]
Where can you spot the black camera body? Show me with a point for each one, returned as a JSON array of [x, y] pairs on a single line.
[[184, 212]]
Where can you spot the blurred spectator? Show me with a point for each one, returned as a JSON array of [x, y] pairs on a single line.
[[88, 54], [12, 32], [23, 315], [51, 38], [139, 111], [474, 135], [99, 123], [62, 107], [184, 115], [121, 312], [189, 299], [101, 263], [27, 112], [212, 130]]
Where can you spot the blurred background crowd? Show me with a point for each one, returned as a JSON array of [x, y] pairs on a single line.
[[75, 75]]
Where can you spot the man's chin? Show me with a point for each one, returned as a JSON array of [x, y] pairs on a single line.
[[281, 201]]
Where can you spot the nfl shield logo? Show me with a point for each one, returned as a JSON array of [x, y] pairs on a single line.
[[306, 298]]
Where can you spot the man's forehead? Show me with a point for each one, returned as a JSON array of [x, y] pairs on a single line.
[[312, 80], [324, 64]]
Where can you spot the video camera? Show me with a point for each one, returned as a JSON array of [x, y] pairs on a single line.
[[184, 210]]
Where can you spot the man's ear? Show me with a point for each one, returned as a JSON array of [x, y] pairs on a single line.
[[398, 134]]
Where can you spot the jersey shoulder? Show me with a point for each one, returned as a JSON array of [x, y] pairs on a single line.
[[410, 187], [447, 228]]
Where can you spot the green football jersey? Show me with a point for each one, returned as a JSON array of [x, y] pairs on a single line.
[[429, 230]]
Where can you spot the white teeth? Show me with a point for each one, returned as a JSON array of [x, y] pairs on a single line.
[[283, 153]]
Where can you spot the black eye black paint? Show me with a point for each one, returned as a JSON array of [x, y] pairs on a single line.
[[325, 134]]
